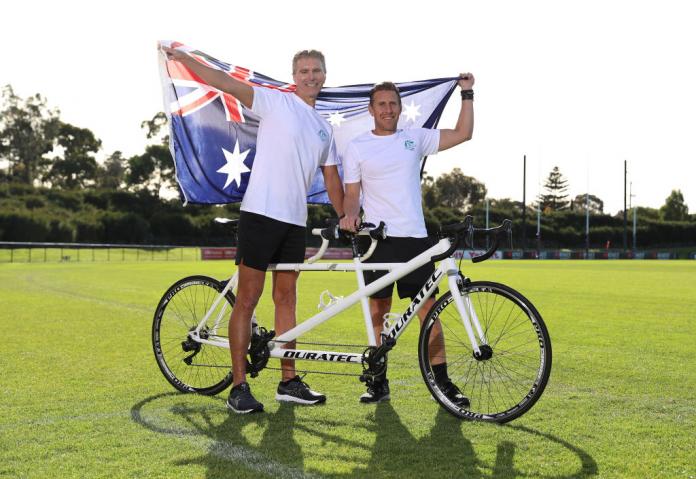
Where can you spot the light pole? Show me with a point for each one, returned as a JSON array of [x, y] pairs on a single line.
[[631, 207], [524, 202], [587, 224], [625, 213]]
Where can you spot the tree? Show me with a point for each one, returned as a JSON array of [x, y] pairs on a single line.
[[77, 168], [556, 186], [645, 212], [429, 191], [113, 172], [154, 169], [674, 208], [456, 190], [28, 129], [595, 205], [154, 127]]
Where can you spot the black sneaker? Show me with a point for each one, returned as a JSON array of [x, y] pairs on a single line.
[[295, 390], [454, 394], [241, 401], [378, 392]]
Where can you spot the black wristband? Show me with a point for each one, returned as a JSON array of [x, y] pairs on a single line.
[[467, 95]]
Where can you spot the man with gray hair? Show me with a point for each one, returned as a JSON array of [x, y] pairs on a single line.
[[293, 140]]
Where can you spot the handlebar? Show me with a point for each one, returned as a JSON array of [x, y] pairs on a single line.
[[455, 230], [464, 231], [460, 232], [504, 229], [334, 232]]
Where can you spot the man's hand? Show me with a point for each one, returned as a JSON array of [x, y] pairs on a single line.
[[174, 54], [466, 81], [350, 223]]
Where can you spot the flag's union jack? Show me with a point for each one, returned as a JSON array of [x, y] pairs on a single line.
[[213, 136]]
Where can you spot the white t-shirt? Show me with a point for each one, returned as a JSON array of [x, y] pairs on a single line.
[[388, 168], [292, 142]]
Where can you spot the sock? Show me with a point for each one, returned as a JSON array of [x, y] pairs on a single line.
[[381, 378], [440, 372]]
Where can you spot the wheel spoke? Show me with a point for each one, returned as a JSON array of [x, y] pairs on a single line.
[[192, 299], [508, 383]]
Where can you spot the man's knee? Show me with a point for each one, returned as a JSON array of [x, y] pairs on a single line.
[[285, 288], [247, 300], [284, 297]]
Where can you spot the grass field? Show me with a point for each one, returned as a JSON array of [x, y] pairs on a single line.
[[81, 395]]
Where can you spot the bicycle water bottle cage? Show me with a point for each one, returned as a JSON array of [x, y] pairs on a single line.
[[326, 300], [389, 319]]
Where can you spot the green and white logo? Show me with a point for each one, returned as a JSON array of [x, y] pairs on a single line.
[[410, 145]]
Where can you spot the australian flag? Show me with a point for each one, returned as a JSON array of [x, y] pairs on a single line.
[[213, 136]]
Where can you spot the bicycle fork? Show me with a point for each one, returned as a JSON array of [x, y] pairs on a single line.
[[466, 311]]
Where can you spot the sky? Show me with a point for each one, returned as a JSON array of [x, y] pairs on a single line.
[[583, 86]]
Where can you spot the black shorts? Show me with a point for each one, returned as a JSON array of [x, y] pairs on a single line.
[[400, 250], [262, 241]]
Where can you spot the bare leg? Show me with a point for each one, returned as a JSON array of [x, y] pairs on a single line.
[[248, 293], [378, 308], [436, 343], [285, 300]]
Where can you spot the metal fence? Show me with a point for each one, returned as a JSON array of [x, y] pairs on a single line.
[[20, 252]]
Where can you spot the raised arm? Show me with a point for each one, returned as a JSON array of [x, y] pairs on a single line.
[[351, 205], [215, 78], [465, 123]]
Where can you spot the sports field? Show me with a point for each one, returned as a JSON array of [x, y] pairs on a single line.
[[81, 395]]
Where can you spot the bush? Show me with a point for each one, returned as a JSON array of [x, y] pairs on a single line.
[[125, 228], [66, 199], [21, 226], [59, 231], [173, 228], [123, 201], [33, 202], [99, 199], [88, 230]]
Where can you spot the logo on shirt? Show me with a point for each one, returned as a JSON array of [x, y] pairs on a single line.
[[323, 135], [410, 145]]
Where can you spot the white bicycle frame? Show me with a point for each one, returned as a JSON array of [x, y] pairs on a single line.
[[446, 269]]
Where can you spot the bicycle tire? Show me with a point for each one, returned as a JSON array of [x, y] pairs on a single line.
[[511, 381], [179, 311]]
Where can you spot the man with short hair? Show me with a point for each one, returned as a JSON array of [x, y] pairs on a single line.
[[385, 164], [292, 141]]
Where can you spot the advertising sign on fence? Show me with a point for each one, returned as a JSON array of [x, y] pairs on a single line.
[[229, 253], [218, 253]]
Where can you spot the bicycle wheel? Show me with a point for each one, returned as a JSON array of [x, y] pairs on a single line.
[[507, 381], [188, 365]]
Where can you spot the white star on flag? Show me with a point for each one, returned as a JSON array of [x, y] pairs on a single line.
[[336, 118], [235, 166], [411, 111]]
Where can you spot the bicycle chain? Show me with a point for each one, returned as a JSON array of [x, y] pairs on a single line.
[[279, 369], [313, 344]]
